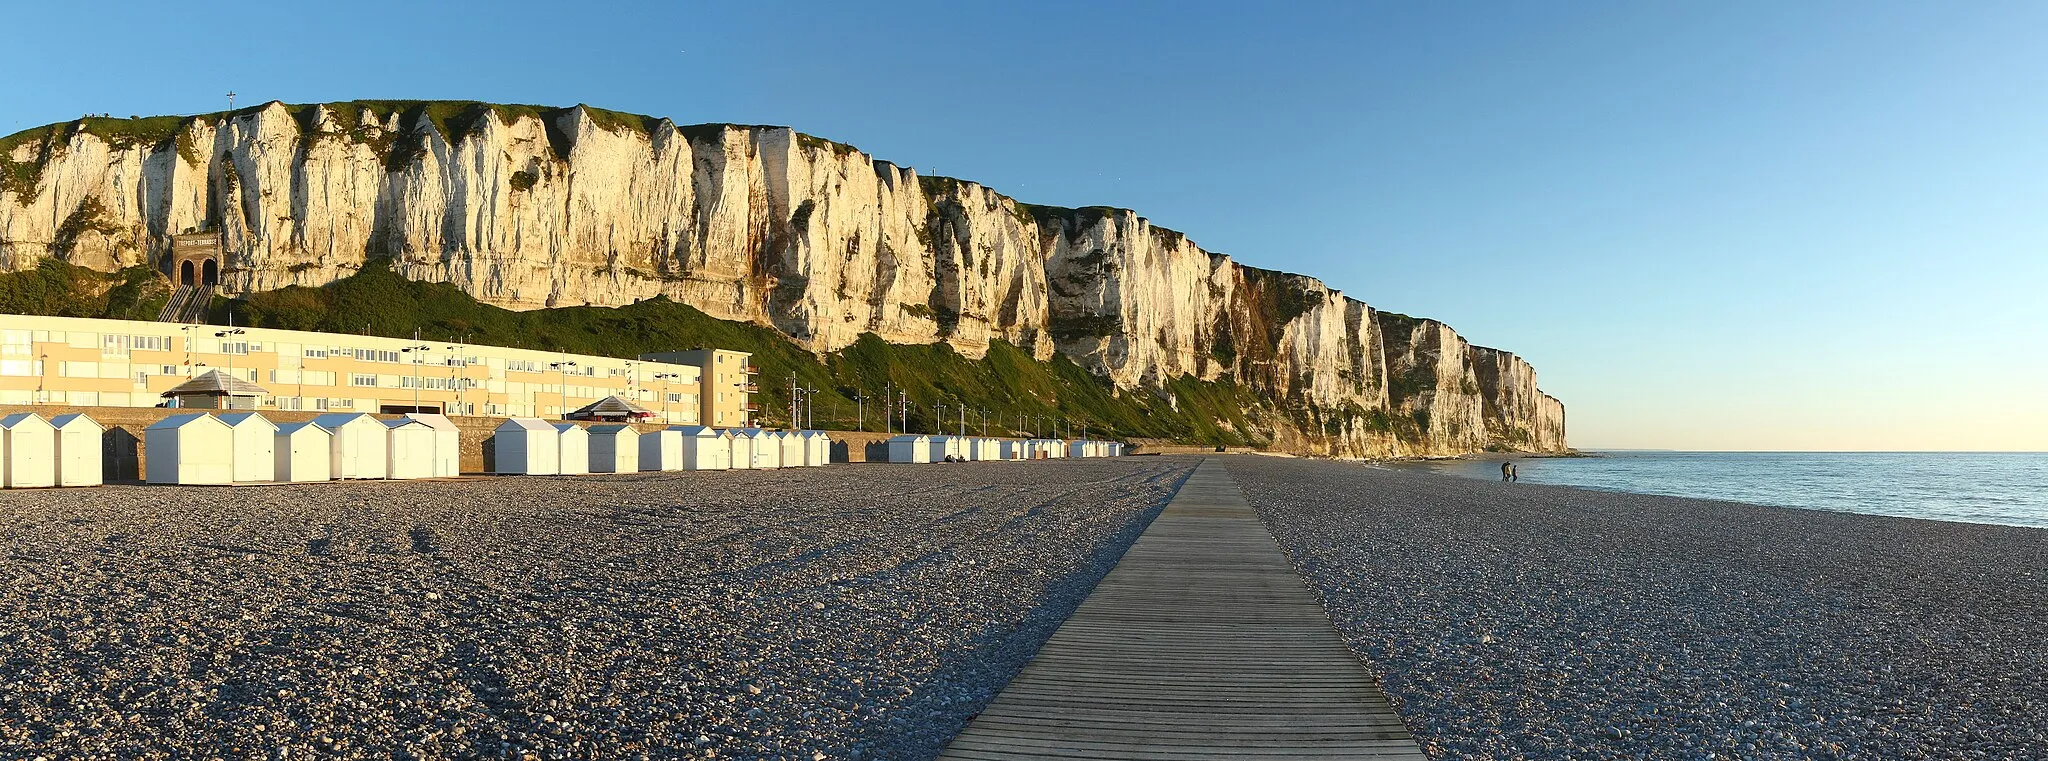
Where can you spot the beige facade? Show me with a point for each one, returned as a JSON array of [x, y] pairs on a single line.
[[728, 383], [123, 363]]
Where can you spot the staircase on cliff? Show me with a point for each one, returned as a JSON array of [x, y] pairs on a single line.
[[188, 304]]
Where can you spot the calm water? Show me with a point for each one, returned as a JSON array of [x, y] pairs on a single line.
[[2007, 488]]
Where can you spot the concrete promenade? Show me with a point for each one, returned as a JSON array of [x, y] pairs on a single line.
[[1203, 643]]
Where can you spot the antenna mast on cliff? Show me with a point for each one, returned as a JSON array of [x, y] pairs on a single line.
[[231, 100]]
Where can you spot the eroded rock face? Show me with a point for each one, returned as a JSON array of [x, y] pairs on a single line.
[[528, 209]]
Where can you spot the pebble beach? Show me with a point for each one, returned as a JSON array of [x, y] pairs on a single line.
[[1516, 621], [847, 612]]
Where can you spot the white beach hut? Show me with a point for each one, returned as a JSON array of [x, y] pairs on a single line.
[[304, 452], [794, 452], [255, 446], [574, 442], [767, 447], [614, 448], [79, 450], [742, 445], [193, 448], [945, 446], [910, 447], [30, 457], [360, 446], [704, 448], [817, 448], [1015, 449], [409, 449], [1078, 449], [661, 450], [527, 446], [988, 449], [447, 443]]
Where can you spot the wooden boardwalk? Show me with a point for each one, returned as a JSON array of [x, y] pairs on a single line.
[[1202, 643]]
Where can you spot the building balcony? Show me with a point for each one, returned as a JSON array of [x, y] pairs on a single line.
[[750, 370], [751, 407], [750, 388]]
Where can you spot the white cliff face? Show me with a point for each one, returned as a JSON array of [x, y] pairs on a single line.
[[529, 209]]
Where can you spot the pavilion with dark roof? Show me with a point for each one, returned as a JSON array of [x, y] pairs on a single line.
[[611, 408], [216, 391]]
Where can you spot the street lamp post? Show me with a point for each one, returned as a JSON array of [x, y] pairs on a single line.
[[227, 347], [664, 378], [564, 367], [458, 377], [419, 355], [811, 408]]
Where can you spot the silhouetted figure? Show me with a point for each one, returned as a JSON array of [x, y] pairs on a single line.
[[1507, 472]]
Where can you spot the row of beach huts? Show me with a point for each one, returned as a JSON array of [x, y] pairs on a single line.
[[244, 447]]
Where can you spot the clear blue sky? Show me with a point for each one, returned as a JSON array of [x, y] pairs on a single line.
[[1728, 225]]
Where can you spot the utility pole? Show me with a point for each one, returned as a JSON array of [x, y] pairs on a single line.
[[860, 411], [888, 408], [231, 100], [904, 409], [963, 419], [811, 408], [938, 419]]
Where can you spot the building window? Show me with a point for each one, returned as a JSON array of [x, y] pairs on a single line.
[[360, 379]]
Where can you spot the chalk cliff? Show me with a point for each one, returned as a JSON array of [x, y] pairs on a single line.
[[529, 207]]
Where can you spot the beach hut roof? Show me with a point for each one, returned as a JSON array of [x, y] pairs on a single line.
[[68, 420], [566, 427], [525, 424], [405, 421], [181, 421], [21, 417], [436, 422], [610, 408], [612, 428], [294, 427], [214, 383], [698, 431], [910, 437], [333, 420], [816, 435], [236, 419]]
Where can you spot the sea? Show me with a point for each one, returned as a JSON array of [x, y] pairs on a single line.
[[2007, 488]]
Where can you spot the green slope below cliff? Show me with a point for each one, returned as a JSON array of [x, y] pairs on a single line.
[[1007, 382]]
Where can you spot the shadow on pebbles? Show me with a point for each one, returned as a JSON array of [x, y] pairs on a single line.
[[858, 611]]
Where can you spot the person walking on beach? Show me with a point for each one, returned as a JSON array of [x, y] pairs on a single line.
[[1507, 472]]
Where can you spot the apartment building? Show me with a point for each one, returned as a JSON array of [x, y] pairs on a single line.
[[728, 383], [123, 363]]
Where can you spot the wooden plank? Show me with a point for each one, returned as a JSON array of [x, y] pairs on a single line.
[[1202, 643]]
